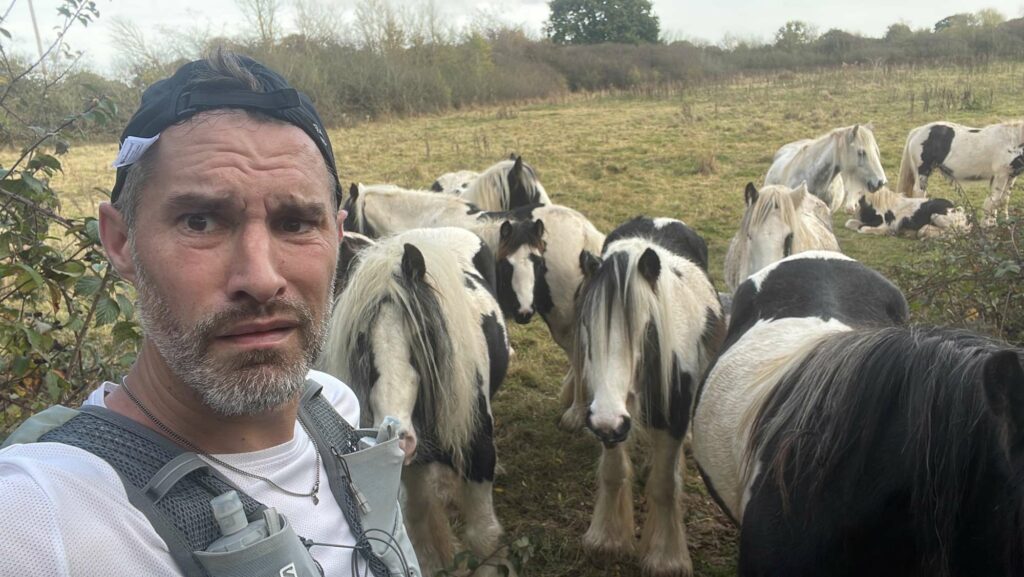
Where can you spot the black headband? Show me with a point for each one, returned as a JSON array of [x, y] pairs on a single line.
[[190, 91]]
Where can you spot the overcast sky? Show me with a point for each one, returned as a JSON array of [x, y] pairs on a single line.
[[705, 20]]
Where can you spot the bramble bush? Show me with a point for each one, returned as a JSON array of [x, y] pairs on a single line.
[[57, 290], [974, 280]]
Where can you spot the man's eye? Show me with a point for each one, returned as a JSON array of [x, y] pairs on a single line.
[[198, 222], [295, 225]]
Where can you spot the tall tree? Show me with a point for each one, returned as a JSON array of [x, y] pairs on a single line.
[[794, 34], [596, 21]]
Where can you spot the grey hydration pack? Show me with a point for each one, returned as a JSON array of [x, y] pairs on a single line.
[[174, 489]]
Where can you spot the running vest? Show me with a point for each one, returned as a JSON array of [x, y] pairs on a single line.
[[173, 488]]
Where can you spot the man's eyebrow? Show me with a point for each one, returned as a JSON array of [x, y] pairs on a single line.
[[200, 202], [310, 210]]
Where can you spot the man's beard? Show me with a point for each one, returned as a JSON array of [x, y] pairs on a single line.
[[245, 383]]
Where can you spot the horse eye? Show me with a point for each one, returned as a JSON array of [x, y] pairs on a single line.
[[787, 245]]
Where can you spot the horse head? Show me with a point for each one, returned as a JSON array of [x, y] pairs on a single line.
[[770, 223], [617, 329], [860, 161], [520, 262]]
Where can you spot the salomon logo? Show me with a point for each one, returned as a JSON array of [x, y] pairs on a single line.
[[288, 571]]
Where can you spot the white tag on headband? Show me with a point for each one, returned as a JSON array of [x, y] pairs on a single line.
[[133, 149]]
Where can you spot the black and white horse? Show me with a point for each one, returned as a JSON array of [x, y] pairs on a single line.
[[418, 335], [505, 185], [846, 443], [994, 153], [837, 167], [351, 245], [649, 326], [885, 212]]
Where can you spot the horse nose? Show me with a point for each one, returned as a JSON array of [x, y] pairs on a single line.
[[609, 434], [874, 185], [524, 315]]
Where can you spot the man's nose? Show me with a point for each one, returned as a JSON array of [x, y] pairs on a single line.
[[255, 267]]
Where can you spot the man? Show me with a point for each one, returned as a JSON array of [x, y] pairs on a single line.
[[225, 218]]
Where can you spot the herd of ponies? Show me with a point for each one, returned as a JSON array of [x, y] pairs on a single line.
[[840, 439]]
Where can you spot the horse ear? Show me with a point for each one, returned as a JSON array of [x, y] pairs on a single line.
[[1004, 389], [518, 166], [538, 229], [589, 263], [511, 156], [413, 267], [799, 193], [870, 126], [650, 266], [506, 230], [750, 194], [353, 191], [853, 133]]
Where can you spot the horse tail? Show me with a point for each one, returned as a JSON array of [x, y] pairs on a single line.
[[905, 185]]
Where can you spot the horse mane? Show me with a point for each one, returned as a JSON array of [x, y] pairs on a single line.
[[440, 327], [491, 189], [833, 406], [769, 199], [883, 199]]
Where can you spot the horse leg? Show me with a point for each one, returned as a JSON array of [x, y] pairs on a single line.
[[482, 531], [573, 400], [998, 198], [663, 541], [881, 230], [426, 519], [611, 527], [921, 185], [929, 231]]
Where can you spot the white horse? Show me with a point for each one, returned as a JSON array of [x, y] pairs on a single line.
[[837, 167], [777, 222], [506, 185], [994, 153], [383, 209], [419, 336], [649, 327], [885, 212]]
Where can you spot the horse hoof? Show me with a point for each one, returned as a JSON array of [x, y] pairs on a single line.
[[604, 546], [667, 568]]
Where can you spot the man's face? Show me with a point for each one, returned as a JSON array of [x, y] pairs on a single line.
[[234, 249]]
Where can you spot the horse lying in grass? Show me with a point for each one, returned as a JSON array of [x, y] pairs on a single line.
[[885, 212], [649, 326], [418, 335], [838, 167], [846, 443], [777, 222], [994, 153], [505, 185]]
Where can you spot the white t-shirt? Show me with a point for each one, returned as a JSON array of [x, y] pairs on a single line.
[[64, 511]]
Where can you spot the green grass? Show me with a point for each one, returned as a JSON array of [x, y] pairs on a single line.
[[613, 157]]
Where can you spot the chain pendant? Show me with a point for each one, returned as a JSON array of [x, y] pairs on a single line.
[[316, 500]]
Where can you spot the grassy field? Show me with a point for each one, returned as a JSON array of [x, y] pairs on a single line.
[[685, 154]]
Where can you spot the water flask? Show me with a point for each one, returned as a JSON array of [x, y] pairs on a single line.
[[236, 530]]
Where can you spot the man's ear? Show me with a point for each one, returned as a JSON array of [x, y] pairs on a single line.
[[114, 236]]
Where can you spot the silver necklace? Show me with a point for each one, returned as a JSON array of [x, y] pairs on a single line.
[[190, 445]]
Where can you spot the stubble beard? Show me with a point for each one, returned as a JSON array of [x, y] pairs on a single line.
[[246, 383]]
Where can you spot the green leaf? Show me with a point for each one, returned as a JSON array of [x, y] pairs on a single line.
[[35, 340], [124, 331], [5, 33], [107, 311], [54, 386], [34, 184], [72, 268], [88, 285], [20, 366], [92, 229], [31, 272], [126, 306]]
